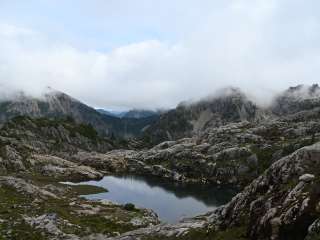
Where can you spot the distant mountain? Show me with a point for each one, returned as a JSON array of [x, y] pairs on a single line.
[[56, 104], [231, 106], [135, 113], [296, 99], [139, 114], [111, 113], [188, 119]]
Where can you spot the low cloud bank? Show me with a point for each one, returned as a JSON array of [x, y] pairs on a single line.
[[261, 47]]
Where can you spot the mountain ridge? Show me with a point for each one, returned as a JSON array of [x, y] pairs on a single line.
[[56, 104], [133, 113]]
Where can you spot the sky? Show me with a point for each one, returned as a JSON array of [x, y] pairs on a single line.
[[121, 54]]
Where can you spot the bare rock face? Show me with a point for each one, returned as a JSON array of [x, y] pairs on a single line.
[[283, 202], [187, 119], [164, 231], [58, 168], [235, 153], [113, 161], [296, 99], [49, 223], [44, 147], [11, 160], [307, 178], [24, 187]]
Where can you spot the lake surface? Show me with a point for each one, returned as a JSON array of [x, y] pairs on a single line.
[[171, 201]]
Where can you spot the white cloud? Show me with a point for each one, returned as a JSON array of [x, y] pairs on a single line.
[[7, 30], [260, 46]]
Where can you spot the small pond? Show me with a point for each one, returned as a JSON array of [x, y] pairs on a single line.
[[171, 201]]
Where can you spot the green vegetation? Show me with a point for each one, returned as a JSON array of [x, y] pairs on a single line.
[[264, 156], [68, 123], [11, 211], [20, 231], [129, 207], [87, 189], [234, 233], [105, 219], [86, 130]]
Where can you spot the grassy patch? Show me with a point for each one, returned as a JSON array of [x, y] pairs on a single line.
[[234, 233], [87, 189], [12, 206], [264, 156], [85, 217]]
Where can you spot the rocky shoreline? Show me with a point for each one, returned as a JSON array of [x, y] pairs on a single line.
[[283, 203]]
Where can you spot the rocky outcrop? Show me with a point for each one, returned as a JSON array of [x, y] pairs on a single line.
[[111, 162], [283, 202], [58, 168], [235, 153], [296, 99], [25, 188], [165, 231], [44, 147]]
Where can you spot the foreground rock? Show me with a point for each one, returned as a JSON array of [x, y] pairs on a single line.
[[31, 211], [283, 202], [165, 231]]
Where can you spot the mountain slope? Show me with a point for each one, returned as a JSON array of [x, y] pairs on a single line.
[[135, 113], [111, 113], [59, 105], [189, 119], [296, 99]]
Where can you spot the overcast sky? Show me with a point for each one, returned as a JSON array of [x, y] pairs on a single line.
[[120, 54]]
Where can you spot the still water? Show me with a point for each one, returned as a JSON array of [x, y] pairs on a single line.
[[171, 201]]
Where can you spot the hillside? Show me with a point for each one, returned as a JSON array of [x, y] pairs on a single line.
[[134, 113], [38, 153], [190, 119], [59, 105]]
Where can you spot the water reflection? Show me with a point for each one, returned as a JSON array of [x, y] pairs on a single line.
[[171, 201]]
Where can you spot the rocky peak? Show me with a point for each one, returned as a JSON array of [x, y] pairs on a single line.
[[228, 105], [302, 92], [295, 99], [55, 104]]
